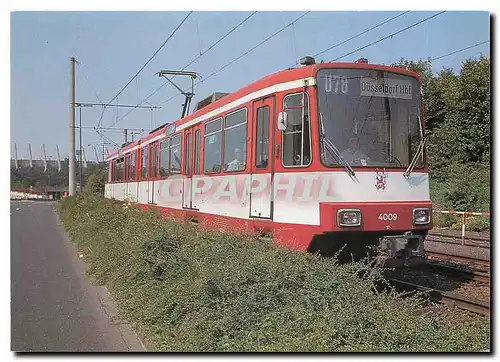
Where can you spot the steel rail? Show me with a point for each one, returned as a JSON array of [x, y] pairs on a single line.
[[459, 258], [455, 241], [455, 272], [457, 236], [448, 298]]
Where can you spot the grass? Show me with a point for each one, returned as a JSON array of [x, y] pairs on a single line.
[[187, 289]]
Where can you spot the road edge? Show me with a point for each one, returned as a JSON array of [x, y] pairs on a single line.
[[106, 301]]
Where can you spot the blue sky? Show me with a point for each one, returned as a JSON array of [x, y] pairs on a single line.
[[112, 46]]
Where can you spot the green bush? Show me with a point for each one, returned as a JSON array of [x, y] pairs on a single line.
[[445, 220], [477, 223], [466, 188], [95, 180], [187, 289]]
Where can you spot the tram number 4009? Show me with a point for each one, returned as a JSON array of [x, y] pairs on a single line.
[[386, 217]]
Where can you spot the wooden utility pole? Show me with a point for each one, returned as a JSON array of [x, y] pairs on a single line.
[[71, 153]]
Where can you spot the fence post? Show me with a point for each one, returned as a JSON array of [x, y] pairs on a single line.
[[463, 229]]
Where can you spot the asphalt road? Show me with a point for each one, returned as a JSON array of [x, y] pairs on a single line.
[[54, 307]]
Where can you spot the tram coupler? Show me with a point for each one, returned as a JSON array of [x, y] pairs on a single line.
[[397, 251]]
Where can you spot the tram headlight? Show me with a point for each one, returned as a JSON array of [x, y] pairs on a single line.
[[421, 216], [351, 217]]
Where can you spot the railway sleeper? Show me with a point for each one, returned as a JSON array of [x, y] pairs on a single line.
[[448, 298]]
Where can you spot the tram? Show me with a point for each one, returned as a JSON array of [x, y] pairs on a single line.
[[315, 157]]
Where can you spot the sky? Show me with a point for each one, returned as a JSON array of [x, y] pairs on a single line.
[[112, 46]]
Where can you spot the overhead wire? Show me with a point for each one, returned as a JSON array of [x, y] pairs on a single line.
[[336, 45], [460, 50], [107, 129], [294, 44], [446, 55], [362, 33], [107, 138], [79, 63], [389, 36], [291, 24], [187, 65], [242, 55], [198, 36], [145, 64]]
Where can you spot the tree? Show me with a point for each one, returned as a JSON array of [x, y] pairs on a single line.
[[457, 119], [95, 178], [473, 109], [464, 134], [432, 98]]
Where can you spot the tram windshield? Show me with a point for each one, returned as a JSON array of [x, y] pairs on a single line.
[[371, 117]]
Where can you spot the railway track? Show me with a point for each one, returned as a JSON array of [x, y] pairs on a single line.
[[448, 298], [454, 240], [455, 272], [439, 255], [445, 297], [457, 235]]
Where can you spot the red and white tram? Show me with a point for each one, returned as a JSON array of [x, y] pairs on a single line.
[[315, 156]]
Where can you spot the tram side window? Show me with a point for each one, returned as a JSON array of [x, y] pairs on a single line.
[[175, 154], [126, 166], [235, 137], [132, 163], [170, 156], [144, 156], [122, 169], [153, 160], [164, 160], [119, 169], [187, 154], [296, 149], [197, 152], [262, 149], [212, 152]]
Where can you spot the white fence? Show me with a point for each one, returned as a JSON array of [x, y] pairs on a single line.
[[464, 214]]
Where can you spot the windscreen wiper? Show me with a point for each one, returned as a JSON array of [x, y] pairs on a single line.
[[334, 150], [413, 162]]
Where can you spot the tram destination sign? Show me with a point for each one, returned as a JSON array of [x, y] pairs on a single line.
[[388, 87]]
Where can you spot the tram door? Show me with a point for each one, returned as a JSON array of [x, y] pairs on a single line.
[[262, 168], [126, 179], [188, 170], [192, 170], [152, 171], [196, 165]]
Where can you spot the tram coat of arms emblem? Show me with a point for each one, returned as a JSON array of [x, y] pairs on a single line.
[[380, 180]]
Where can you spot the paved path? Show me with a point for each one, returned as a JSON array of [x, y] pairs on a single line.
[[53, 305]]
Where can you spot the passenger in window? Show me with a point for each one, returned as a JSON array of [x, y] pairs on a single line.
[[238, 163], [353, 155]]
